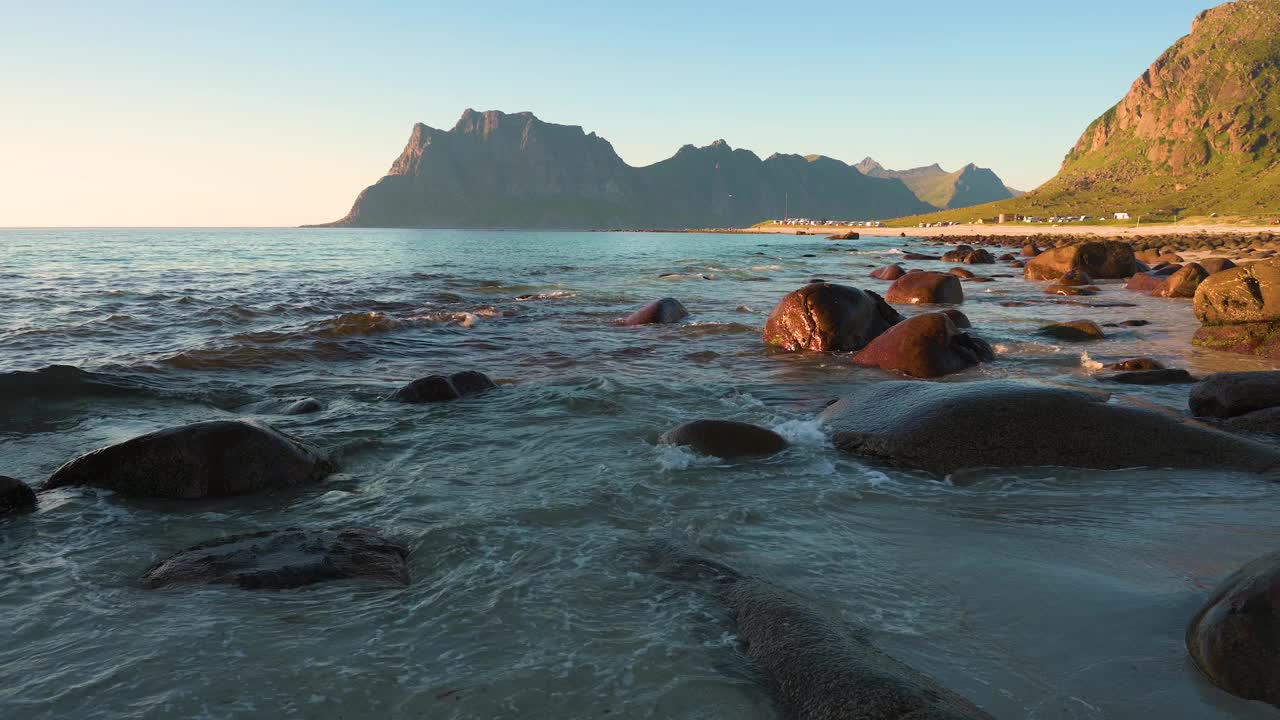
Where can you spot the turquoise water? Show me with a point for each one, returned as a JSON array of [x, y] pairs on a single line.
[[1035, 593]]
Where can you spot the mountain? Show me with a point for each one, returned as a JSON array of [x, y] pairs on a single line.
[[970, 185], [495, 169], [1197, 133]]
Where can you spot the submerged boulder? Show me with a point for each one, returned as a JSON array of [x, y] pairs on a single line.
[[218, 458], [1074, 330], [1136, 364], [1164, 376], [925, 346], [1225, 395], [659, 312], [943, 427], [438, 388], [283, 559], [931, 288], [1109, 259], [15, 495], [813, 663], [1075, 278], [725, 438], [826, 317], [1235, 637]]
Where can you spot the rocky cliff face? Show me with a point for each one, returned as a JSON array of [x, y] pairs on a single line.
[[1198, 130], [513, 170], [968, 186]]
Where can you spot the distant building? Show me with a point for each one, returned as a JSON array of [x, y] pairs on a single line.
[[1122, 216]]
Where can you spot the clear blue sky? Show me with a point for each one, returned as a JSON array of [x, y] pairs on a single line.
[[278, 113]]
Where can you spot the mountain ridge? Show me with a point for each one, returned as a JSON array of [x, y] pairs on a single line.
[[496, 169]]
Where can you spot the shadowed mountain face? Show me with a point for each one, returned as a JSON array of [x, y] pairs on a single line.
[[970, 185], [513, 170]]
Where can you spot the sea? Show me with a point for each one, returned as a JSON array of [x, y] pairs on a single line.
[[1042, 593]]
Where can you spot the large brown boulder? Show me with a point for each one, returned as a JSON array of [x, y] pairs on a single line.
[[1184, 282], [283, 559], [1146, 283], [1215, 265], [943, 427], [1245, 294], [658, 312], [932, 288], [725, 438], [1101, 260], [925, 346], [1235, 637], [218, 458], [1225, 395], [889, 272], [828, 318]]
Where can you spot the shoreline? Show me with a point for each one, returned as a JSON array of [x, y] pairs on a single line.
[[1024, 231]]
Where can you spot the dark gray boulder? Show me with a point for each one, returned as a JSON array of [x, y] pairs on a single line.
[[1225, 395], [15, 495], [943, 427], [1163, 376], [282, 559], [659, 312], [219, 458], [304, 406], [438, 388], [725, 438], [814, 665], [1234, 639]]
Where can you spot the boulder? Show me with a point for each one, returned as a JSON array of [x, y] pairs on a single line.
[[1017, 265], [438, 388], [960, 319], [1007, 257], [1075, 278], [658, 312], [1183, 283], [218, 458], [961, 273], [1136, 364], [1164, 270], [1030, 250], [305, 406], [969, 256], [1146, 283], [1245, 294], [943, 427], [1215, 265], [1168, 376], [828, 318], [925, 346], [889, 272], [15, 495], [1070, 291], [1101, 260], [844, 236], [1234, 639], [919, 256], [725, 438], [1225, 395], [283, 559], [1075, 330], [932, 288], [1266, 422]]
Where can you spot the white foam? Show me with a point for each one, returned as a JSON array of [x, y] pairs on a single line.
[[676, 457], [1089, 363], [807, 433]]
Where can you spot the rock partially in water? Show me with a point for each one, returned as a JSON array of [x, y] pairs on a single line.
[[15, 495], [1146, 283], [304, 406], [1266, 422], [851, 235], [960, 319], [919, 256], [659, 312], [1075, 278], [925, 346], [889, 272], [1225, 395], [1239, 310], [961, 273], [1109, 259], [1030, 250], [944, 427], [969, 256], [1167, 376], [825, 317], [931, 288], [219, 458], [1070, 291], [1137, 364], [1074, 331], [814, 664], [1184, 282], [1215, 265], [725, 438], [438, 388], [284, 559], [1235, 637]]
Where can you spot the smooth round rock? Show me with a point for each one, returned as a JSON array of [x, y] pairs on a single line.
[[15, 495], [1074, 331], [1167, 376], [659, 312], [1225, 395], [889, 272], [1234, 639], [825, 317], [284, 559], [305, 406], [925, 346], [219, 458], [1101, 260], [725, 438], [930, 288]]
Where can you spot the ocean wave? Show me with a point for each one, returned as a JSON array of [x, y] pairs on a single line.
[[553, 295]]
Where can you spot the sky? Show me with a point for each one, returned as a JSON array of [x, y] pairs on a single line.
[[229, 113]]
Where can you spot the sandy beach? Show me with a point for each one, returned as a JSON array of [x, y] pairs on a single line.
[[1024, 230]]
